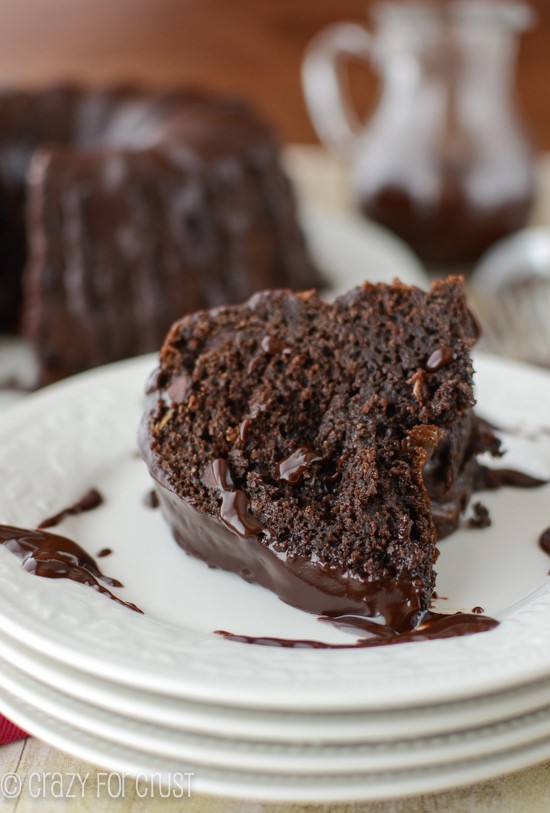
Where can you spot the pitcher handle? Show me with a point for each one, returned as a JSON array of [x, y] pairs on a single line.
[[325, 87]]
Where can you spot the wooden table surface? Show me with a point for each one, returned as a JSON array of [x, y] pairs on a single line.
[[522, 792]]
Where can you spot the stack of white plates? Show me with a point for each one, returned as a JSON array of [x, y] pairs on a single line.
[[161, 694]]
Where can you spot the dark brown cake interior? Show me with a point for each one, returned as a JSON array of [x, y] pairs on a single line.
[[320, 419]]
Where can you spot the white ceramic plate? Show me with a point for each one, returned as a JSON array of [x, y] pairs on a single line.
[[284, 727], [81, 433], [291, 758], [268, 787]]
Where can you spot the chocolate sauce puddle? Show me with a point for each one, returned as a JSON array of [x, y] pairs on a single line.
[[92, 499], [56, 557], [434, 626]]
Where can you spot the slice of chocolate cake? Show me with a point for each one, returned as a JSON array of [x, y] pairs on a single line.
[[295, 442]]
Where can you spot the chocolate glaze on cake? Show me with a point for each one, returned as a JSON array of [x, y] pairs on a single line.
[[317, 467], [132, 208]]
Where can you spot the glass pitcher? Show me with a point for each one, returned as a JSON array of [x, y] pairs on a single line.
[[444, 161]]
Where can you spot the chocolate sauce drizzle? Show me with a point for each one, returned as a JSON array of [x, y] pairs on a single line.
[[56, 557], [92, 499], [235, 507], [293, 467], [487, 479], [434, 627]]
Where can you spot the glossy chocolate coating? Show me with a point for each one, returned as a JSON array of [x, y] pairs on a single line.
[[296, 580], [293, 467]]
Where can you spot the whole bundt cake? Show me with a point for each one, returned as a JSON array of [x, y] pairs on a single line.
[[127, 209]]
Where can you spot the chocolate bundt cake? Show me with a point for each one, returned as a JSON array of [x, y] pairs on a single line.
[[317, 448], [133, 208]]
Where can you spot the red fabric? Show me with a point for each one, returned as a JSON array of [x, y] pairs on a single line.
[[9, 732]]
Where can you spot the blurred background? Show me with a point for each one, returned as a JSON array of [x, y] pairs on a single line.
[[438, 135], [254, 47]]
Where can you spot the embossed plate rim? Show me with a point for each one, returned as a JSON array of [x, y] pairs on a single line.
[[290, 758], [103, 638], [264, 787], [268, 726]]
